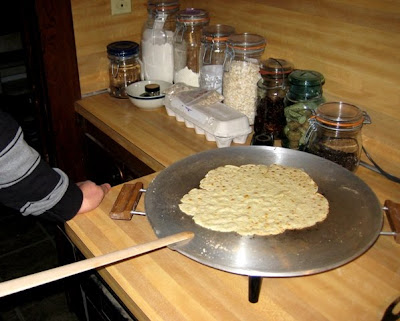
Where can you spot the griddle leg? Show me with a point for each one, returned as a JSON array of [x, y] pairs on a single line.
[[254, 288]]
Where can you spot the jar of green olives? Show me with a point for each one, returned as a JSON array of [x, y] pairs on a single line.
[[303, 97]]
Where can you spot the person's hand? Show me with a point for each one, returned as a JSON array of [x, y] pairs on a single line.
[[92, 195]]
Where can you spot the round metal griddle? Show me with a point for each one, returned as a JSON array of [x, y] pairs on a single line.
[[353, 224]]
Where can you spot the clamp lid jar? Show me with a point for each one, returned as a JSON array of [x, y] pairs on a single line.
[[212, 55], [187, 44], [124, 66], [242, 72], [304, 96], [271, 92], [157, 40], [335, 133]]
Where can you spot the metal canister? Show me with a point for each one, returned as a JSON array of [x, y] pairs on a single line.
[[124, 66]]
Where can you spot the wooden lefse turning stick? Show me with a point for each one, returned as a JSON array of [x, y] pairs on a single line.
[[33, 280]]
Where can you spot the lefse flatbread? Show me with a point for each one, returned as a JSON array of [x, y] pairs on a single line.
[[255, 200]]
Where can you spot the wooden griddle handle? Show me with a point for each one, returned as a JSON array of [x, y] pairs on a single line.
[[392, 210], [30, 281], [127, 199]]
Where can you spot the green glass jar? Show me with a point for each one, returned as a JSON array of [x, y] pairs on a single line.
[[304, 96]]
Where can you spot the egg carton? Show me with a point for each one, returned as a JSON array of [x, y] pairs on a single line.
[[218, 122]]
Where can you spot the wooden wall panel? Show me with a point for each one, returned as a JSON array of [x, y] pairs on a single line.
[[354, 44]]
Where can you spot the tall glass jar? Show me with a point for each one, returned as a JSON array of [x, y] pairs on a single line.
[[335, 133], [212, 55], [304, 96], [271, 92], [187, 43], [124, 66], [242, 72], [158, 40]]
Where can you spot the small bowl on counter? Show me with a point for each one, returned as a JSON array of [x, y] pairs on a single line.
[[145, 94]]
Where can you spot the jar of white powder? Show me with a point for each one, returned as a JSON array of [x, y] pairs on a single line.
[[212, 55], [187, 44], [242, 72], [157, 40]]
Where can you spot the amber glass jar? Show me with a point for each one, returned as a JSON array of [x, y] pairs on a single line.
[[124, 66], [335, 133], [271, 92]]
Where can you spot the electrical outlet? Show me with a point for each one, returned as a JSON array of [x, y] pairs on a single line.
[[120, 7]]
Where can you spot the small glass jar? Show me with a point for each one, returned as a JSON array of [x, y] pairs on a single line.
[[124, 66], [335, 133], [271, 92], [187, 44], [242, 72], [158, 40], [212, 55], [304, 96]]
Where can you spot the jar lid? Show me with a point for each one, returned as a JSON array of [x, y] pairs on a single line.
[[161, 6], [123, 49], [192, 15], [306, 78], [340, 115], [276, 68], [217, 33], [247, 42]]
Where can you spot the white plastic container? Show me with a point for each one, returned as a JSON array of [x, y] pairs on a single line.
[[217, 121]]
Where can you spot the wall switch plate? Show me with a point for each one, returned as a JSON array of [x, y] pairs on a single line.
[[120, 7]]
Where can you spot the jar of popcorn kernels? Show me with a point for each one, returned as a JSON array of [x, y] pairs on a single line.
[[242, 72]]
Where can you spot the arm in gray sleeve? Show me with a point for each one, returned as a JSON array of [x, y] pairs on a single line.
[[27, 183]]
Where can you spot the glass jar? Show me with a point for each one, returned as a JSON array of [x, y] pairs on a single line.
[[271, 92], [212, 55], [335, 133], [303, 97], [124, 66], [187, 43], [158, 40], [242, 72]]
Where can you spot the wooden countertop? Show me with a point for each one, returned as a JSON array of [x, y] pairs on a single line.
[[165, 285]]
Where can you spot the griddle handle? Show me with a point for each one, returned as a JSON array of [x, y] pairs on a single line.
[[254, 288], [127, 200], [392, 210]]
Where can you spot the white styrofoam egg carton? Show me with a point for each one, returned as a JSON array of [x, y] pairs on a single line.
[[218, 122]]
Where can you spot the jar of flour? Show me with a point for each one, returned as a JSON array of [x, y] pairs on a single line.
[[157, 40]]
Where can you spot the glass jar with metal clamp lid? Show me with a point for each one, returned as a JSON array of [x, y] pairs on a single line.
[[124, 66], [158, 40], [304, 96], [212, 55], [271, 91], [187, 43], [335, 133], [242, 72]]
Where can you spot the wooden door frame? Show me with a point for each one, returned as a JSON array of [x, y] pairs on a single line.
[[53, 64]]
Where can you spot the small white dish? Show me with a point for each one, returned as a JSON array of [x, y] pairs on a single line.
[[136, 89]]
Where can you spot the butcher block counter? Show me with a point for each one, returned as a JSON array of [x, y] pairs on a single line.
[[165, 285]]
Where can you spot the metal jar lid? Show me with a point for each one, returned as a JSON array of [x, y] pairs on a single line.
[[122, 49]]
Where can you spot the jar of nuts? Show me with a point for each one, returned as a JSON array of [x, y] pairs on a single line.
[[242, 72], [303, 97]]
